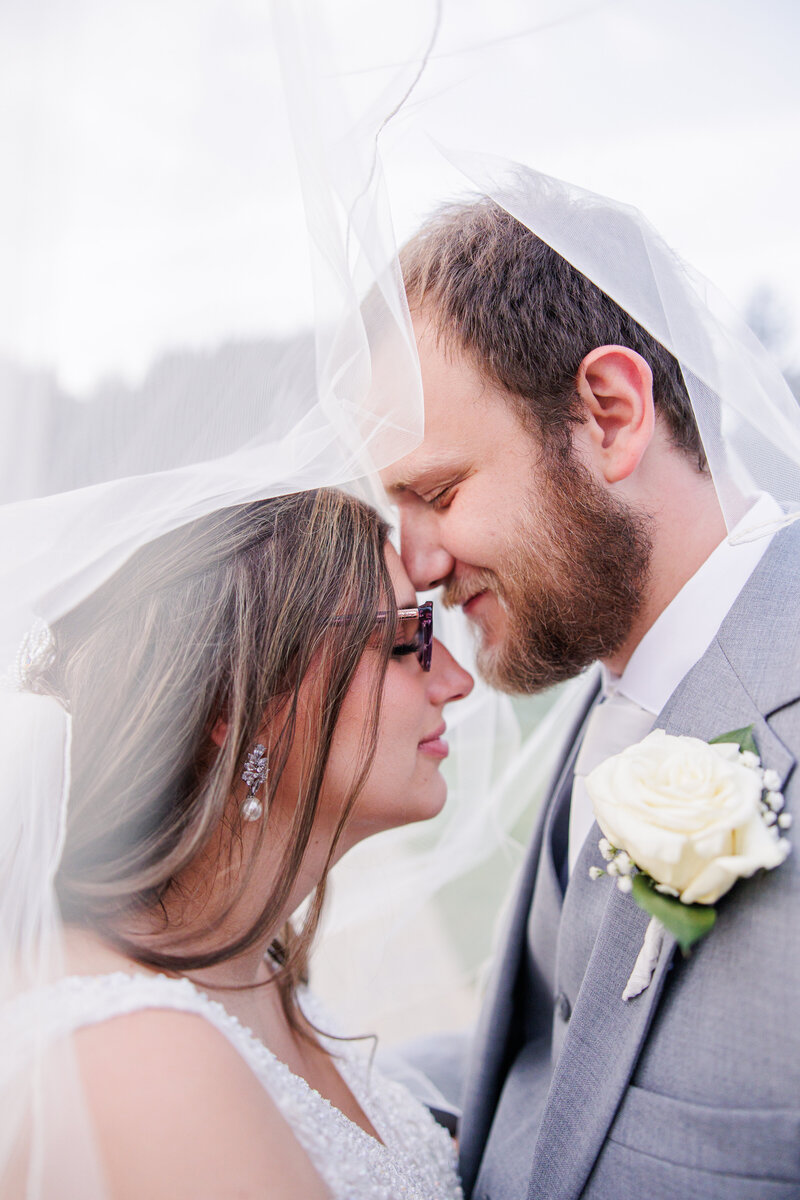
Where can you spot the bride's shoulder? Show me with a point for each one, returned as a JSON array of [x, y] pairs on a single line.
[[169, 1080]]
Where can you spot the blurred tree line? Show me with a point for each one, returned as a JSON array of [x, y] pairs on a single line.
[[769, 315], [225, 389]]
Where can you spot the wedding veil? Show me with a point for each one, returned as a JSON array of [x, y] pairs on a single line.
[[749, 421], [645, 101], [185, 178]]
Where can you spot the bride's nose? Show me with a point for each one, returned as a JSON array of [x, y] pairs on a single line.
[[447, 679]]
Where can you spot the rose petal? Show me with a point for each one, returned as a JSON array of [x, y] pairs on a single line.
[[714, 843], [755, 842], [644, 841], [716, 878]]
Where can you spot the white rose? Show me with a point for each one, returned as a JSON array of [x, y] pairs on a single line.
[[686, 812]]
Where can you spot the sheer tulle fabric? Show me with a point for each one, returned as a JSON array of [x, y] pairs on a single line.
[[749, 420], [157, 173], [176, 169]]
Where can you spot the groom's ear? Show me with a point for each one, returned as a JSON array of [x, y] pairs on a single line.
[[616, 386]]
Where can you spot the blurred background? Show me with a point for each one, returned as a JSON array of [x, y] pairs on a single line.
[[145, 153]]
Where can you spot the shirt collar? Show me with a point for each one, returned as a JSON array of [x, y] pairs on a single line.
[[680, 636]]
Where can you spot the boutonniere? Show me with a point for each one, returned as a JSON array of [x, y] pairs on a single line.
[[682, 820]]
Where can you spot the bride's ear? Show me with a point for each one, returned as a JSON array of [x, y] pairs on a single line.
[[616, 387], [219, 732]]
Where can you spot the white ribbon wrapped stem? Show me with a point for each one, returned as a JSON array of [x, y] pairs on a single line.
[[646, 961]]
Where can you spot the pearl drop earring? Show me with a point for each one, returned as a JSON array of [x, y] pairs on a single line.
[[256, 769]]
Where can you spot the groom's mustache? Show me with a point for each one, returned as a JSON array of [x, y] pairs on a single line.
[[461, 588]]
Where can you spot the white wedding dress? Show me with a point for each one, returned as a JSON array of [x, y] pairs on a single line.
[[416, 1159]]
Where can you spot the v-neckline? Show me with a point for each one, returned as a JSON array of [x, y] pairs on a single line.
[[347, 1076]]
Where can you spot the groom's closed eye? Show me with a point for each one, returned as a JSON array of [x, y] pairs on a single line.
[[428, 481], [440, 493], [443, 497]]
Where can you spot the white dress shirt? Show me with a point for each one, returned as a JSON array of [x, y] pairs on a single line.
[[677, 640]]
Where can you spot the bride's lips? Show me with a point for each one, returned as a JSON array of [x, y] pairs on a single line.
[[434, 743]]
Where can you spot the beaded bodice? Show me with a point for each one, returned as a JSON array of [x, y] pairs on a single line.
[[416, 1158]]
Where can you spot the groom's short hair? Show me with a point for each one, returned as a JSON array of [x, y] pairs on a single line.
[[528, 318]]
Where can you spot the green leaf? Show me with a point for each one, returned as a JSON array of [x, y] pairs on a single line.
[[742, 737], [686, 922]]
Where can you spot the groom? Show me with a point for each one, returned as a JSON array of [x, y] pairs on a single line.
[[561, 496]]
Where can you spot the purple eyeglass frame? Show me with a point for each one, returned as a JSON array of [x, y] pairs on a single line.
[[424, 614]]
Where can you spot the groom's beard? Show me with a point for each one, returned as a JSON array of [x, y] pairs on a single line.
[[571, 584]]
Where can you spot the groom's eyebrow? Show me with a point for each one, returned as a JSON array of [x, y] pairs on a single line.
[[424, 476]]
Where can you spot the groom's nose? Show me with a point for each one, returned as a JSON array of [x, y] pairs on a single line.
[[427, 561]]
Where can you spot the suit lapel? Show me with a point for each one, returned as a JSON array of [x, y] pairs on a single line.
[[605, 1034], [732, 708], [495, 1031]]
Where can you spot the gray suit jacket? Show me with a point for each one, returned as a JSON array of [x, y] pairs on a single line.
[[692, 1089]]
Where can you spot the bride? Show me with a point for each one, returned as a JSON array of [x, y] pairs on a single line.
[[250, 696]]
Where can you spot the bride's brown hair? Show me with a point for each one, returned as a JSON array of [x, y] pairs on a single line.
[[223, 618]]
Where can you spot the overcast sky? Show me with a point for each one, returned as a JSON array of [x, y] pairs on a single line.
[[148, 200]]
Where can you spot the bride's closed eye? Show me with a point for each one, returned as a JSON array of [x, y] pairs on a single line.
[[404, 646], [414, 633]]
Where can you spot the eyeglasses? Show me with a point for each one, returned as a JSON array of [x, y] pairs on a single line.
[[422, 644]]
